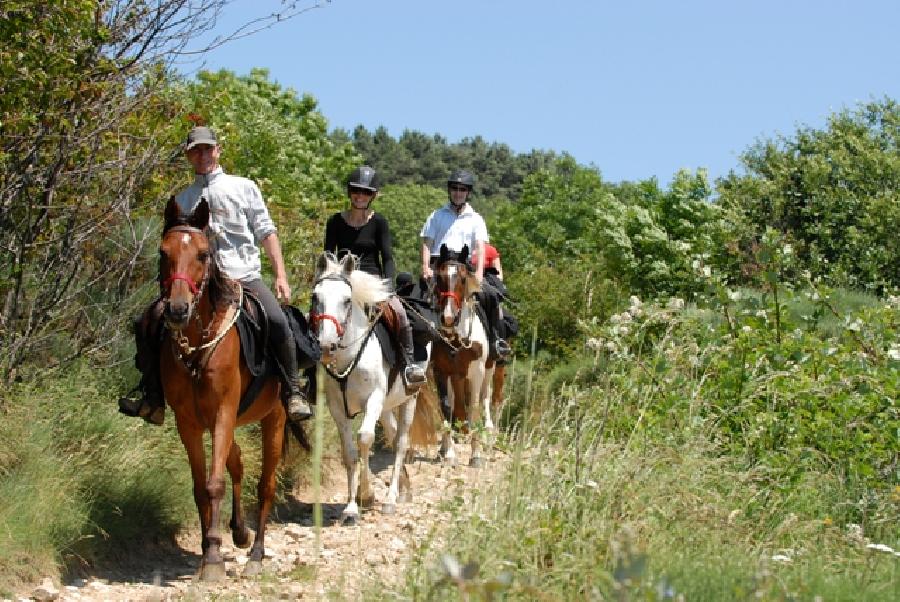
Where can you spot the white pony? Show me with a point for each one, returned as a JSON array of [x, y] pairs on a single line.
[[461, 355], [346, 304]]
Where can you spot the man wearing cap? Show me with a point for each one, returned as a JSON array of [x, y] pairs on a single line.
[[239, 221]]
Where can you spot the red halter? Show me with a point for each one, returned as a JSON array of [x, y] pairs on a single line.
[[168, 282], [315, 318]]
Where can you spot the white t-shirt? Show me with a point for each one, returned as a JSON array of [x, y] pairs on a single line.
[[445, 227]]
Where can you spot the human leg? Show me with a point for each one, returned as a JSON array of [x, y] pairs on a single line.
[[282, 343], [146, 399], [414, 373]]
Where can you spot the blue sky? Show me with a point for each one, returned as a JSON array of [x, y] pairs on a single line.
[[638, 89]]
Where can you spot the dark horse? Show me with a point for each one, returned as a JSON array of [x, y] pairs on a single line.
[[204, 377]]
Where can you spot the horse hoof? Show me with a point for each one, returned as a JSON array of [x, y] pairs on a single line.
[[387, 508], [451, 461], [349, 520], [212, 572], [476, 462], [253, 568], [405, 497], [241, 539]]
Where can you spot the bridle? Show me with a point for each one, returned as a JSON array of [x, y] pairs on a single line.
[[442, 295], [339, 325]]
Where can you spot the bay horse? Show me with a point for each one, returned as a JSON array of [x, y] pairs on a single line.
[[460, 355], [346, 305], [204, 376]]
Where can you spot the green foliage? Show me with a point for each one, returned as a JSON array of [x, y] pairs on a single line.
[[833, 192], [416, 158], [406, 208]]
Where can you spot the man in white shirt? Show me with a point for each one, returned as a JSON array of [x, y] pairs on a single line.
[[455, 225]]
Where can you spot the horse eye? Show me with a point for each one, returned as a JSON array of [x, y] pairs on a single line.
[[203, 255]]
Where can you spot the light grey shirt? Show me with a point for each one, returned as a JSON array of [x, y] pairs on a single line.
[[238, 220]]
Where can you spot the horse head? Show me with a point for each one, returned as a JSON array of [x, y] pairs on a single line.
[[184, 261], [454, 285]]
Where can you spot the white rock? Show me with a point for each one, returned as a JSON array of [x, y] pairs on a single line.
[[46, 591]]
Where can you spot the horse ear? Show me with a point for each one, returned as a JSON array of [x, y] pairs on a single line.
[[444, 253], [348, 263], [200, 217], [171, 214], [322, 264], [464, 254]]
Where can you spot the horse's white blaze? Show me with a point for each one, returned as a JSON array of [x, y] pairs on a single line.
[[186, 239]]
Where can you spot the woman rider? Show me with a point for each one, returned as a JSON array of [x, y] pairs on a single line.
[[362, 231]]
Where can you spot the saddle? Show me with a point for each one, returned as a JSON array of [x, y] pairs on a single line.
[[253, 329]]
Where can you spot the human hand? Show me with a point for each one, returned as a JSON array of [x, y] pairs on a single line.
[[282, 290]]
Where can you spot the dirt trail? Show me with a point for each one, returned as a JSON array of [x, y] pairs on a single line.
[[377, 549]]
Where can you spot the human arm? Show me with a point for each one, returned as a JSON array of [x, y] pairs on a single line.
[[386, 249], [331, 243], [479, 262], [426, 258], [272, 247]]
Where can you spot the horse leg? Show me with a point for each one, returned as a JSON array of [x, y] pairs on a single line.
[[473, 403], [498, 380], [192, 439], [447, 451], [213, 565], [485, 398], [240, 535], [350, 458], [366, 438], [273, 439], [406, 412]]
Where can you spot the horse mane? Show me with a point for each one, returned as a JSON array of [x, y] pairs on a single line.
[[366, 288], [219, 287]]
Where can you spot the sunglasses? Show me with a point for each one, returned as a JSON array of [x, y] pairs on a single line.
[[459, 189], [364, 191]]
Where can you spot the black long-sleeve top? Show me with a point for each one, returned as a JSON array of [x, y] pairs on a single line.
[[371, 243]]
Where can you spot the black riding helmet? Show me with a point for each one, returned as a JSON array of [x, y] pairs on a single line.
[[363, 177], [461, 176]]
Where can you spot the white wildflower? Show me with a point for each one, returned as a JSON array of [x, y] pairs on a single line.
[[675, 303], [707, 271], [594, 343], [760, 313], [615, 319], [787, 249], [831, 351], [880, 547], [635, 301], [746, 328], [781, 558], [626, 317], [734, 295], [894, 352], [856, 325]]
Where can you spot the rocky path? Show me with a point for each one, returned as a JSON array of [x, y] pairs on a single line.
[[346, 560]]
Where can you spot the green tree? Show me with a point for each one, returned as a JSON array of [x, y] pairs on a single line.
[[833, 192]]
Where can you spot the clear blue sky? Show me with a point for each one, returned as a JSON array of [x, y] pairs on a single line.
[[637, 89]]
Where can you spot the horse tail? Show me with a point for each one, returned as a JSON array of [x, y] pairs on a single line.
[[299, 434], [424, 429]]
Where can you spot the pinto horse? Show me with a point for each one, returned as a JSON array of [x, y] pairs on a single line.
[[204, 377], [346, 304], [460, 355]]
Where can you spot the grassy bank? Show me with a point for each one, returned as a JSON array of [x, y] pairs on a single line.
[[697, 453]]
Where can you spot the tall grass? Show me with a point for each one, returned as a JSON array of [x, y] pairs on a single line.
[[633, 477]]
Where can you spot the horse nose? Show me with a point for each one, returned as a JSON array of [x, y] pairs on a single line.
[[177, 311]]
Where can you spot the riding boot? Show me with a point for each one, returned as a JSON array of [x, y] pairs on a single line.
[[295, 384], [414, 373], [146, 399]]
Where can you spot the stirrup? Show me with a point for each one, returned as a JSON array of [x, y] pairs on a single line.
[[298, 409], [502, 348], [414, 376]]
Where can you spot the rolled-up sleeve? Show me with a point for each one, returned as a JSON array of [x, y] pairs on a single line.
[[258, 214]]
